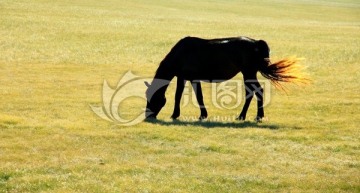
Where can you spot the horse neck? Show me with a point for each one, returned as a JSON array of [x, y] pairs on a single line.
[[162, 78]]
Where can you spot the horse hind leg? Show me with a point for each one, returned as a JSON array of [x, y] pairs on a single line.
[[252, 86], [179, 90], [259, 92], [249, 94], [199, 97]]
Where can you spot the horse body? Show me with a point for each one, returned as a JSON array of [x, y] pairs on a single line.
[[208, 60], [215, 60]]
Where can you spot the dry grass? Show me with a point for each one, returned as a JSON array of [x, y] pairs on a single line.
[[54, 57]]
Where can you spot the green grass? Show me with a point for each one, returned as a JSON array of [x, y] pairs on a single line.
[[54, 56]]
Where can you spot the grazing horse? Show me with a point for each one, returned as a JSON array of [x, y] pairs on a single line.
[[194, 59]]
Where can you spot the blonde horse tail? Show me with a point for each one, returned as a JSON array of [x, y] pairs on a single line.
[[285, 70]]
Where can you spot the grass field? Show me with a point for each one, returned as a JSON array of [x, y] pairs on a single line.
[[55, 55]]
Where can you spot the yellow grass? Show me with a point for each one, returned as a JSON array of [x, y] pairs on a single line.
[[55, 56]]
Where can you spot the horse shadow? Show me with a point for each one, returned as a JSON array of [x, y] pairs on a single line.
[[215, 124]]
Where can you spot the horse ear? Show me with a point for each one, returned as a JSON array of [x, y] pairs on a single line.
[[147, 84]]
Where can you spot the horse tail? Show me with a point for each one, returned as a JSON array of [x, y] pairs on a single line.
[[285, 70]]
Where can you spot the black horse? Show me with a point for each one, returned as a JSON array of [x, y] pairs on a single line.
[[215, 60]]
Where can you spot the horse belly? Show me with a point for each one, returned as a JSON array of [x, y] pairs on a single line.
[[210, 72]]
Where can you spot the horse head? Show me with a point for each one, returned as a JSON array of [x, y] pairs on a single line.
[[155, 95]]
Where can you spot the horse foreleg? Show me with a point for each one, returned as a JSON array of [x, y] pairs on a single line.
[[199, 97], [179, 90]]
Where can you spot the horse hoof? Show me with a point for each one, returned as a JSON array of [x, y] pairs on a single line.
[[240, 118], [202, 118], [150, 119], [260, 119]]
